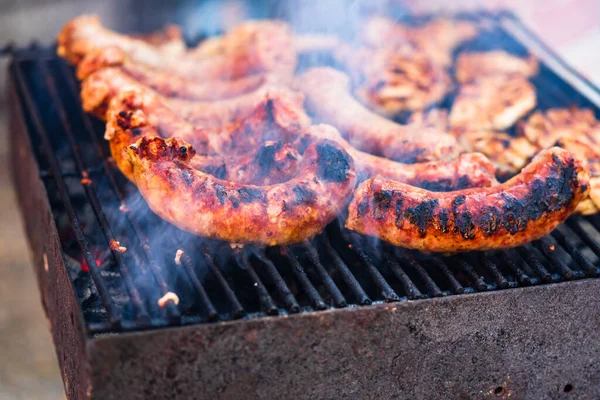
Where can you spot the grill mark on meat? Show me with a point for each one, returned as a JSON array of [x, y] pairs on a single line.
[[382, 201], [303, 195], [334, 164], [265, 158], [422, 215], [248, 195], [219, 171], [522, 209]]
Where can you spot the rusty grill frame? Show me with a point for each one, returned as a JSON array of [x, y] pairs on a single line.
[[366, 344]]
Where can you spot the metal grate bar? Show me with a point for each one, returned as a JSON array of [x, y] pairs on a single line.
[[348, 277], [88, 186], [455, 286], [548, 248], [412, 292], [432, 287], [237, 310], [509, 261], [535, 264], [211, 312], [143, 239], [477, 279], [584, 263], [334, 291], [386, 290], [300, 274], [582, 234], [108, 304], [265, 299], [282, 289], [494, 271]]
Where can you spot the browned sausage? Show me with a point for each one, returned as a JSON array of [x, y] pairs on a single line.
[[197, 202], [525, 208]]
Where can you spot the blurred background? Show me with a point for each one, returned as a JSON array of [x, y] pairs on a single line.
[[28, 367]]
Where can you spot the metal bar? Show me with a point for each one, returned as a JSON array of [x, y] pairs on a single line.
[[237, 308], [547, 247], [466, 267], [455, 286], [584, 263], [108, 170], [584, 236], [412, 292], [211, 312], [387, 292], [432, 288], [348, 277], [535, 264], [88, 186], [300, 274], [509, 261], [282, 288], [265, 299], [494, 271], [334, 291], [107, 303]]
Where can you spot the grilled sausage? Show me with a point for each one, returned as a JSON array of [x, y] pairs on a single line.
[[467, 171], [134, 114], [522, 209], [199, 203], [166, 84], [328, 97], [85, 34], [98, 88]]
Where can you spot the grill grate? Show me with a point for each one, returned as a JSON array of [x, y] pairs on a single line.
[[94, 206]]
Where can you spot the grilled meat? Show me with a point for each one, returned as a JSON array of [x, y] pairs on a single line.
[[133, 114], [492, 103], [472, 66], [169, 39], [166, 84], [525, 208], [508, 154], [253, 46], [437, 38], [283, 213], [545, 128], [394, 79], [467, 171], [328, 97], [249, 56], [98, 88], [270, 163]]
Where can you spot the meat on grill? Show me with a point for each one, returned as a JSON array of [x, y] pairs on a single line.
[[392, 79], [98, 88], [466, 171], [525, 208], [132, 114], [437, 38], [85, 34], [328, 97], [492, 103], [199, 203], [269, 163], [472, 66], [545, 128], [166, 84]]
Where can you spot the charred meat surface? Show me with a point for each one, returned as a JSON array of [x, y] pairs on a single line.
[[199, 203], [525, 208]]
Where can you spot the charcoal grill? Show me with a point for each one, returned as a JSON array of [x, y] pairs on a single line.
[[339, 316]]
